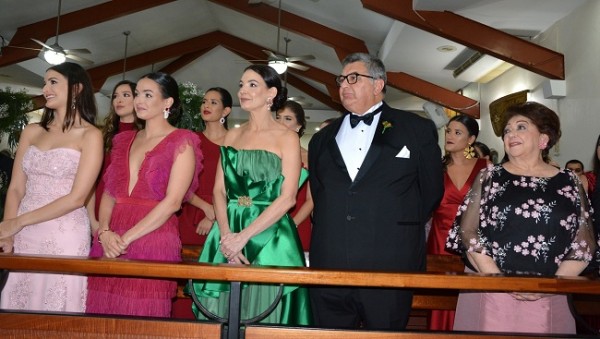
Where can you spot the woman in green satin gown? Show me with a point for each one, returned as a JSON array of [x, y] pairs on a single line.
[[254, 188]]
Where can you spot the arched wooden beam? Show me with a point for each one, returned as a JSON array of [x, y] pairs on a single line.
[[477, 36]]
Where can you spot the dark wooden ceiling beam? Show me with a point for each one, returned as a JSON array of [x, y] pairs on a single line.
[[251, 51], [185, 60], [430, 92], [43, 30], [342, 43], [99, 74], [315, 93], [191, 49], [477, 36]]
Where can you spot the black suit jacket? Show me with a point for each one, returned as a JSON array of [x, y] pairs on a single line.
[[375, 222]]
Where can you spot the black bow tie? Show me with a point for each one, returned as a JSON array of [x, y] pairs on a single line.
[[366, 118]]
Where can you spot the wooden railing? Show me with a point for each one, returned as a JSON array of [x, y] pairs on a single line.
[[22, 324]]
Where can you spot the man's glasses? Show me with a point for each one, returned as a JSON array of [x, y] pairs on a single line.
[[352, 78]]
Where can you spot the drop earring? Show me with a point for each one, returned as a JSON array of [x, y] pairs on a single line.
[[73, 104], [469, 152], [269, 102], [166, 113]]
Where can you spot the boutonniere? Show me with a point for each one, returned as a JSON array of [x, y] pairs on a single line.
[[386, 125]]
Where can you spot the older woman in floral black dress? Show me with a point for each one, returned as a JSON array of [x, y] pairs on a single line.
[[523, 217]]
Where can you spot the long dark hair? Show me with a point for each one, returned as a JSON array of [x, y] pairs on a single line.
[[272, 79], [111, 122], [472, 128], [225, 99], [82, 101], [168, 89]]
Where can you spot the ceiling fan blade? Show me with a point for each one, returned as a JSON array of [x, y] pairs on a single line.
[[79, 59], [78, 51], [296, 66], [301, 58], [43, 44], [257, 60], [32, 49], [273, 56]]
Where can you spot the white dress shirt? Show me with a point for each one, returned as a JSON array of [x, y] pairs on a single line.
[[354, 143]]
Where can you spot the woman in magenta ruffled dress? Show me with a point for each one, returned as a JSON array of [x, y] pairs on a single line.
[[151, 173]]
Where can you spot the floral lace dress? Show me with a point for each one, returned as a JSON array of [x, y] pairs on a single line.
[[50, 175], [528, 225]]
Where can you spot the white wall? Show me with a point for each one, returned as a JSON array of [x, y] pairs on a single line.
[[576, 36]]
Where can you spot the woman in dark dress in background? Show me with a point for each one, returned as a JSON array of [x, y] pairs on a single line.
[[198, 215], [460, 168]]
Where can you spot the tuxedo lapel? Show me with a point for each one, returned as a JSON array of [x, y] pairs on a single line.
[[375, 149], [333, 147]]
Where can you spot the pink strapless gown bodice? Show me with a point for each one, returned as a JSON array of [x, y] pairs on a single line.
[[50, 175]]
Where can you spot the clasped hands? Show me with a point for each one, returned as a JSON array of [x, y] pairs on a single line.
[[528, 296], [232, 245], [113, 244]]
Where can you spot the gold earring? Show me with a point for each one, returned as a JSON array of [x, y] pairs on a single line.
[[469, 152]]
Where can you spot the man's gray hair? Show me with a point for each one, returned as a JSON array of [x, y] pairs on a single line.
[[374, 65]]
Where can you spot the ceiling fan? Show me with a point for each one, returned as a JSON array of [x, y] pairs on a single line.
[[281, 62], [55, 54]]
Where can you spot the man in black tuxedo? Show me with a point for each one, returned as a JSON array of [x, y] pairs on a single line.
[[374, 182]]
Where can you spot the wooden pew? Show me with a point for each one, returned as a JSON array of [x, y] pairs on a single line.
[[20, 324], [61, 326], [425, 300]]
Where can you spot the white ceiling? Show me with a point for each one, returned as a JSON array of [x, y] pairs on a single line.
[[401, 47]]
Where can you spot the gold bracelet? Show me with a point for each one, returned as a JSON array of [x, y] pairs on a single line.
[[102, 232]]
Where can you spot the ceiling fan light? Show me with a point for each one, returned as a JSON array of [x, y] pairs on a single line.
[[54, 58], [279, 66]]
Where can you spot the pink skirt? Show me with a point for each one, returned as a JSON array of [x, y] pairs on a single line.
[[500, 312]]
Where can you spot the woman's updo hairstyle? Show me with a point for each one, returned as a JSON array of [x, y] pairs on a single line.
[[272, 79], [168, 89]]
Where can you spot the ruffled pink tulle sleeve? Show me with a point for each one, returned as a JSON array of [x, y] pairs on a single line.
[[179, 143]]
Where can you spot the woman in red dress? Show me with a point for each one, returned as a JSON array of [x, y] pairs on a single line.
[[197, 215], [460, 168], [120, 118], [292, 116]]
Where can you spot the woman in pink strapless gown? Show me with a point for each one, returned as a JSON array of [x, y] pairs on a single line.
[[56, 165]]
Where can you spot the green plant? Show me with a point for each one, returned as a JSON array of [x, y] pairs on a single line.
[[14, 107], [189, 114]]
